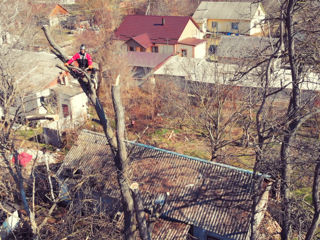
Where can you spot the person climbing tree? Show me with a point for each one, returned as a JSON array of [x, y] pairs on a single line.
[[83, 59]]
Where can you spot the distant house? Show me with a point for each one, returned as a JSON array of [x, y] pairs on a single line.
[[239, 18], [209, 200], [174, 35], [57, 14], [49, 13]]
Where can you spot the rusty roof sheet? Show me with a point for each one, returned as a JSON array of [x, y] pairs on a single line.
[[169, 230], [143, 40], [212, 196], [192, 41]]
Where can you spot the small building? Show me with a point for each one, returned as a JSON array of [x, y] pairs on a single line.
[[211, 200], [57, 15], [49, 13], [46, 95], [176, 35]]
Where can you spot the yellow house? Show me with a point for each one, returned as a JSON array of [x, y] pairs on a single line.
[[243, 18], [229, 18]]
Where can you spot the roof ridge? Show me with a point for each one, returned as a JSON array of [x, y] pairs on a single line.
[[191, 157], [182, 155]]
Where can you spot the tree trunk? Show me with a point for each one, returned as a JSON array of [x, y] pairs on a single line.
[[145, 234], [293, 113], [122, 164], [316, 203]]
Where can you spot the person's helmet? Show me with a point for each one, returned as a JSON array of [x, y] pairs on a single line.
[[83, 47]]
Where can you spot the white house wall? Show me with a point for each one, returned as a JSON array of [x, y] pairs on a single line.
[[190, 31], [78, 108], [32, 105], [64, 100], [256, 22], [200, 50]]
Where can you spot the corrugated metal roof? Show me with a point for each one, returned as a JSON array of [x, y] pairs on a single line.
[[34, 70], [242, 47], [169, 230], [212, 196], [225, 10], [167, 33]]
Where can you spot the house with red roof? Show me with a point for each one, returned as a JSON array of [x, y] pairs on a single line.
[[172, 35]]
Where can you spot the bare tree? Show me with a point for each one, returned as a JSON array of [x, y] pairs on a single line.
[[211, 104], [280, 132]]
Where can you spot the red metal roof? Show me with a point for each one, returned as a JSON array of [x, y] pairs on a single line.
[[191, 41], [161, 29], [143, 40]]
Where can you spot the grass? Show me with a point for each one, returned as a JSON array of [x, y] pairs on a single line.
[[305, 193], [197, 153], [29, 132]]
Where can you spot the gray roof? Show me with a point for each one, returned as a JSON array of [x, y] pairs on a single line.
[[225, 10], [242, 47], [212, 196], [34, 70], [202, 71]]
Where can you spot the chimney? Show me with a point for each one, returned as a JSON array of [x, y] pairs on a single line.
[[163, 21]]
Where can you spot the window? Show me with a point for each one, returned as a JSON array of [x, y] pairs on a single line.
[[214, 24], [183, 52], [155, 49], [131, 49], [65, 110], [212, 49], [235, 26]]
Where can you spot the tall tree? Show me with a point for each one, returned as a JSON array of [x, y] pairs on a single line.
[[116, 141]]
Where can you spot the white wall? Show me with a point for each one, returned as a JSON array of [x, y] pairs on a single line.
[[64, 100], [255, 24], [200, 50], [79, 108], [32, 105], [191, 31]]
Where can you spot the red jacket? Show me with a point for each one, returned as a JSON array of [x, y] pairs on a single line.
[[83, 62]]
